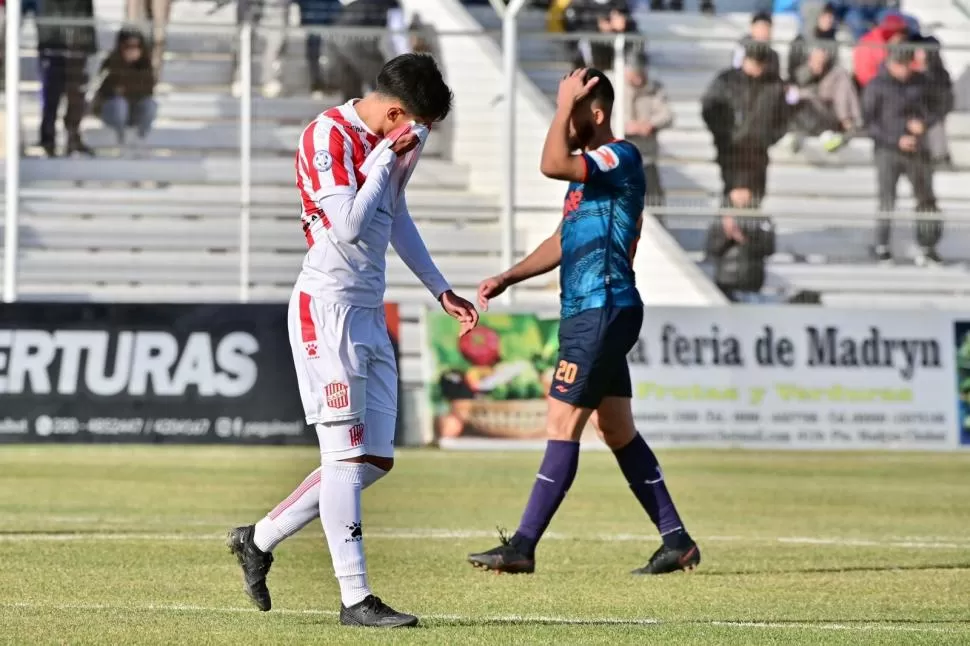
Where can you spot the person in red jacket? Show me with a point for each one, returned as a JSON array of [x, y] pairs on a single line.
[[872, 49]]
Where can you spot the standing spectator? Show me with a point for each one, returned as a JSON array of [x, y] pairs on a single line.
[[822, 33], [270, 19], [153, 14], [759, 37], [600, 53], [317, 13], [124, 97], [738, 247], [63, 51], [900, 107], [355, 61], [647, 113], [746, 112], [828, 105], [872, 49], [706, 6], [929, 62]]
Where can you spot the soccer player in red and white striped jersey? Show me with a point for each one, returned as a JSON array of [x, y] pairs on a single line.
[[352, 166]]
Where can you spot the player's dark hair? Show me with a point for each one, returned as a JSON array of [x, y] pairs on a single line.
[[602, 92], [416, 81]]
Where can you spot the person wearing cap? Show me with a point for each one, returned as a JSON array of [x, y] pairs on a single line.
[[760, 37], [647, 113], [872, 49], [900, 107], [747, 112]]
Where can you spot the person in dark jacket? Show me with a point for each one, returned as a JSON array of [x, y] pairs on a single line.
[[63, 52], [124, 95], [317, 13], [900, 107], [822, 34], [739, 245], [929, 62], [746, 112], [760, 38], [356, 61]]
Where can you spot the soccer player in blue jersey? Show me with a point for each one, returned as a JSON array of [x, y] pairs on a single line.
[[602, 314]]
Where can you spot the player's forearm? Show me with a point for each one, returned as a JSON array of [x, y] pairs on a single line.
[[408, 244], [557, 158], [545, 258], [349, 215]]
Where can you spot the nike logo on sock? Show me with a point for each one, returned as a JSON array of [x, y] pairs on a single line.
[[539, 476]]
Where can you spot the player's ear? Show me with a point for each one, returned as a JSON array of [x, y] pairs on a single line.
[[394, 113]]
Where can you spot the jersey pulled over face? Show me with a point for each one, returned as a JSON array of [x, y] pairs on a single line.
[[328, 162], [600, 230]]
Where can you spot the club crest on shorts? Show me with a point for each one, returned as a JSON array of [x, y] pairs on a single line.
[[356, 435], [322, 161], [337, 395]]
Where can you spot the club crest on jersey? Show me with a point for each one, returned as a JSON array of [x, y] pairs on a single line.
[[605, 158], [337, 395], [322, 161]]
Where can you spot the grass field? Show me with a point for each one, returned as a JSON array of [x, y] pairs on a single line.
[[124, 545]]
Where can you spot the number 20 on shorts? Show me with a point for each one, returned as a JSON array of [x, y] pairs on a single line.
[[566, 372]]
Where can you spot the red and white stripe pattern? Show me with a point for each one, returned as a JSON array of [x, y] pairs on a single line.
[[331, 151], [307, 485], [337, 395]]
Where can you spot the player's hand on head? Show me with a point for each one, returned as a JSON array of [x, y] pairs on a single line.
[[461, 310], [488, 289], [574, 87]]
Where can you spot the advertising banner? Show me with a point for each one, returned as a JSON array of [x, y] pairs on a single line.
[[760, 376], [93, 372]]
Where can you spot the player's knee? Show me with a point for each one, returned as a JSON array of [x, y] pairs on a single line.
[[616, 438], [565, 422], [385, 464]]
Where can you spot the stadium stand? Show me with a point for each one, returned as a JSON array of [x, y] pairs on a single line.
[[823, 204]]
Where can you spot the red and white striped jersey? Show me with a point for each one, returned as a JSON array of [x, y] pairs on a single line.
[[328, 162]]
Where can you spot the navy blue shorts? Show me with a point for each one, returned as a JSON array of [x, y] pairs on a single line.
[[593, 346]]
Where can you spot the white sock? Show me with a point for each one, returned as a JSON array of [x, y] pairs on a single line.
[[342, 484], [291, 515]]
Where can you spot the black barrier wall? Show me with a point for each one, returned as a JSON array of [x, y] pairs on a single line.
[[148, 373]]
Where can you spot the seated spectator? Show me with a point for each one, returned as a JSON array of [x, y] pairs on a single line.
[[123, 98], [861, 16], [746, 112], [900, 107], [927, 60], [828, 105], [871, 50], [738, 247], [760, 37], [822, 32], [647, 113]]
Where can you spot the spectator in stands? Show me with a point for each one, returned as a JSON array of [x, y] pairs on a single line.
[[270, 19], [900, 108], [746, 112], [822, 33], [760, 37], [928, 61], [153, 14], [647, 113], [600, 53], [355, 61], [738, 246], [317, 13], [861, 16], [63, 51], [706, 6], [828, 106], [123, 98], [872, 49]]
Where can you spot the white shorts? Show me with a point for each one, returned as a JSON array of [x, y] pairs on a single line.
[[347, 374]]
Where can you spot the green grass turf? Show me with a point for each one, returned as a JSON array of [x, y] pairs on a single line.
[[88, 553]]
